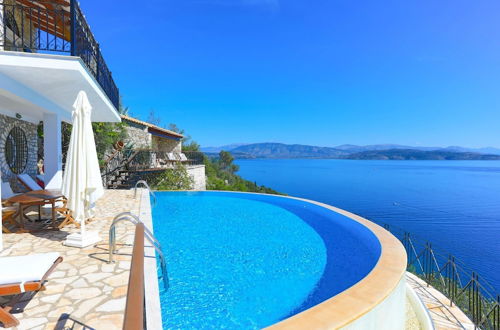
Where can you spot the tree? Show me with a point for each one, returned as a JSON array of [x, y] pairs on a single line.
[[226, 162], [153, 118], [188, 144]]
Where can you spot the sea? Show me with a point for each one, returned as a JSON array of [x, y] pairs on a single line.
[[454, 205]]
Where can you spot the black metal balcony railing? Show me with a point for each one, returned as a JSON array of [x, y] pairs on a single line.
[[133, 160], [461, 285], [54, 27], [143, 160]]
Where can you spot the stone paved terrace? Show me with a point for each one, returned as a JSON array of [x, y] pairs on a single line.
[[83, 291], [442, 314]]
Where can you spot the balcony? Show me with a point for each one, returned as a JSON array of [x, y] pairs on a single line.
[[55, 27]]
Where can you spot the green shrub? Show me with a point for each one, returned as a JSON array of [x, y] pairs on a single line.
[[176, 178], [221, 175]]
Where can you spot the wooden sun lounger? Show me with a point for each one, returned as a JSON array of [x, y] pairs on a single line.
[[23, 274], [8, 214]]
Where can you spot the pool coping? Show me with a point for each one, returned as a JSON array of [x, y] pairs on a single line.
[[361, 298], [151, 283]]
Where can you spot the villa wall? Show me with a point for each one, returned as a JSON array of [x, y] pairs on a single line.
[[389, 314], [139, 136], [197, 172], [30, 130], [165, 145]]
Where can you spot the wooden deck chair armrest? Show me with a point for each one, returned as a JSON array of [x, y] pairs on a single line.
[[51, 269], [15, 288]]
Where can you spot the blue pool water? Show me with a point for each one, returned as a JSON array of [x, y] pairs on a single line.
[[453, 204], [248, 261]]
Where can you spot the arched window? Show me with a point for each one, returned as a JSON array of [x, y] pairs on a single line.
[[16, 150]]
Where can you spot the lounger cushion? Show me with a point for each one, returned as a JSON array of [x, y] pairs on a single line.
[[6, 191], [28, 181], [26, 268]]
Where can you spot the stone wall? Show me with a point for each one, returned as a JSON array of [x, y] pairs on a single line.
[[166, 145], [30, 130], [197, 172], [25, 28], [138, 136]]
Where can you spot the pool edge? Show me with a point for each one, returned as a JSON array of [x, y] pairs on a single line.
[[375, 288], [151, 285]]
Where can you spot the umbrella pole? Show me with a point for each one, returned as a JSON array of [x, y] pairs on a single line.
[[82, 228]]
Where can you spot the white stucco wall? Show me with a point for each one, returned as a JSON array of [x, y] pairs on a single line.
[[197, 172], [390, 314]]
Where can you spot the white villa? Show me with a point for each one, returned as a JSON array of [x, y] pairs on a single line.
[[47, 55]]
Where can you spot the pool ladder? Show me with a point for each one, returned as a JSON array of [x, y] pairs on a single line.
[[127, 216], [145, 184]]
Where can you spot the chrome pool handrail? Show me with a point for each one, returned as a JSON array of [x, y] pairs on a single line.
[[143, 182], [132, 218]]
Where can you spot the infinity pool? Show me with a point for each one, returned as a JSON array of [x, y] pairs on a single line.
[[238, 260]]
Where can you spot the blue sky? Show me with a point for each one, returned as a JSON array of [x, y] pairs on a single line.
[[321, 72]]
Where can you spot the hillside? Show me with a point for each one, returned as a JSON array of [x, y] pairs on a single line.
[[381, 151], [305, 151], [411, 154], [280, 150]]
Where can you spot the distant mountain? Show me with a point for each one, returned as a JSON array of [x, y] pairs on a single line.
[[487, 150], [280, 150], [412, 154], [228, 147], [355, 148]]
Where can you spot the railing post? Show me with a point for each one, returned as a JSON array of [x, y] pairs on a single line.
[[73, 27], [98, 69]]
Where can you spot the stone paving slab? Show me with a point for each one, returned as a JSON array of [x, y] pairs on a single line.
[[442, 314], [84, 292]]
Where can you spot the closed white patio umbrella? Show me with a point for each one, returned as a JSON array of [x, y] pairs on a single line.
[[82, 184]]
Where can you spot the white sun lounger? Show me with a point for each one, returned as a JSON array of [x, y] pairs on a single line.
[[171, 157], [23, 274]]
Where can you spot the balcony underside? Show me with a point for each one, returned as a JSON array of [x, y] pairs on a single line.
[[55, 27], [34, 84]]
